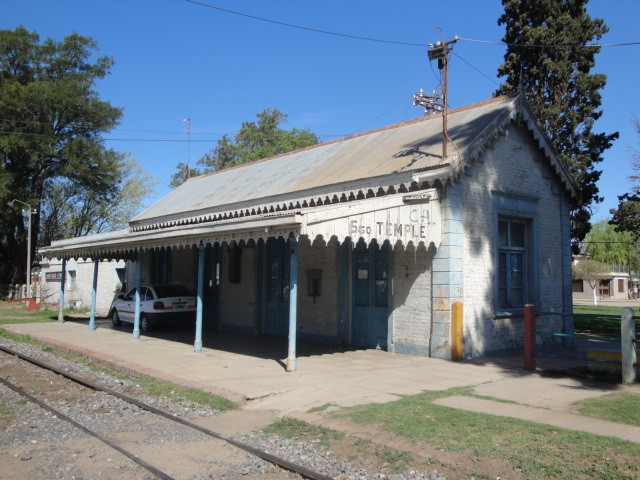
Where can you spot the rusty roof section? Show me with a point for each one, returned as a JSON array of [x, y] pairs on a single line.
[[411, 146]]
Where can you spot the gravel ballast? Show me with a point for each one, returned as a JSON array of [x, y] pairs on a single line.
[[39, 445]]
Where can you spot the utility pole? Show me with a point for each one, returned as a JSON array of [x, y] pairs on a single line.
[[30, 211], [437, 102], [187, 127]]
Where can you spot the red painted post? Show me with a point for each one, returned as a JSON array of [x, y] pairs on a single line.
[[529, 338]]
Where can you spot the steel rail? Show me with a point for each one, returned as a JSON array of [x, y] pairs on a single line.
[[150, 468], [281, 462]]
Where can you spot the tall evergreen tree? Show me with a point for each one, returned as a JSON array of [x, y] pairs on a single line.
[[626, 217], [549, 58]]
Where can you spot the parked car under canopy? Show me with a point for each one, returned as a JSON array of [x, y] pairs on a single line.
[[158, 304]]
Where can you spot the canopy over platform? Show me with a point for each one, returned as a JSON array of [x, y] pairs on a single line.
[[383, 185]]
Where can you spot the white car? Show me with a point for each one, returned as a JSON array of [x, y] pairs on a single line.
[[158, 303]]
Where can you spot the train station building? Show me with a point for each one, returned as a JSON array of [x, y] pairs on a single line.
[[368, 241]]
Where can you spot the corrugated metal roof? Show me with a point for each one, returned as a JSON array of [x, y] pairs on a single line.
[[411, 146]]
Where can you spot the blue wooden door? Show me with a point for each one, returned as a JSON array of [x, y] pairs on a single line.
[[278, 285], [370, 322]]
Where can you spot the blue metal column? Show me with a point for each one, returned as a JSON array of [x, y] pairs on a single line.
[[217, 263], [136, 315], [62, 281], [197, 346], [259, 287], [94, 295], [344, 295], [292, 362]]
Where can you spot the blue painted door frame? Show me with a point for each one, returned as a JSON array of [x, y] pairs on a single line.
[[211, 295], [371, 280], [278, 270]]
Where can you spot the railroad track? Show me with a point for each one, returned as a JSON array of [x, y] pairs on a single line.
[[157, 472]]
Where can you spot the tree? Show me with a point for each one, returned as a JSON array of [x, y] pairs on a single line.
[[591, 271], [549, 59], [604, 244], [68, 210], [615, 248], [183, 173], [254, 141], [51, 120], [626, 217]]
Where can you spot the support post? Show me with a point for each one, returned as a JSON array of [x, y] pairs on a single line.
[[94, 294], [29, 255], [197, 346], [529, 338], [457, 349], [136, 314], [63, 275], [628, 345], [292, 362]]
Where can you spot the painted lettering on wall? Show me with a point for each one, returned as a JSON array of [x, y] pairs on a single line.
[[414, 218], [416, 227]]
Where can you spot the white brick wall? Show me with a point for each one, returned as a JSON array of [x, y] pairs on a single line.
[[81, 295], [412, 298], [506, 169], [184, 263], [315, 317], [237, 299], [318, 317]]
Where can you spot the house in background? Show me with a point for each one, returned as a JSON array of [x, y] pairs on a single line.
[[616, 284], [368, 241]]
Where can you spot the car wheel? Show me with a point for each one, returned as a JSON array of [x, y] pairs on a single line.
[[115, 319], [145, 324]]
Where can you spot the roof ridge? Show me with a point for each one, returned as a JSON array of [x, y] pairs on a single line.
[[361, 134]]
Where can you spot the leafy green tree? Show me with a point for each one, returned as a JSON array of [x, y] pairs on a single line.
[[626, 217], [591, 271], [604, 244], [69, 210], [549, 59], [51, 120], [183, 173], [255, 140]]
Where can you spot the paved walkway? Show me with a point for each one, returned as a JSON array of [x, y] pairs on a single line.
[[250, 370]]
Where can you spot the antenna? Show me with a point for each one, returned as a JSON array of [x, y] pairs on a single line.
[[187, 128], [437, 101]]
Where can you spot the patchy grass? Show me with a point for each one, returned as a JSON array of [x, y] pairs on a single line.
[[158, 387], [535, 450], [322, 408], [15, 312], [5, 410], [23, 339], [598, 325], [299, 430], [488, 445], [11, 312], [152, 386], [599, 310], [621, 407]]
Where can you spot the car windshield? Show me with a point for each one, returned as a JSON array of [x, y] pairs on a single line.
[[166, 291]]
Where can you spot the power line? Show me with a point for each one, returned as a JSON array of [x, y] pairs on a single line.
[[395, 42], [139, 130], [555, 45], [476, 69], [160, 140], [301, 27]]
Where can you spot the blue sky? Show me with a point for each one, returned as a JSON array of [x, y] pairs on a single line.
[[176, 59]]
